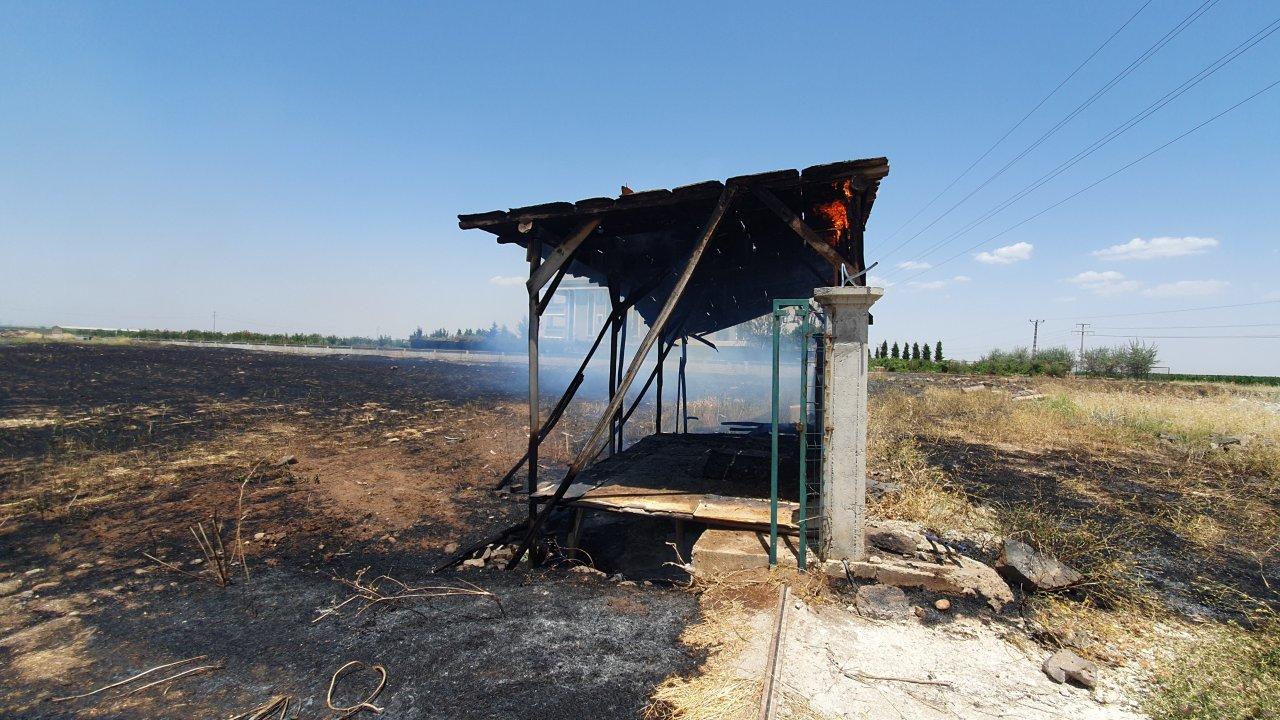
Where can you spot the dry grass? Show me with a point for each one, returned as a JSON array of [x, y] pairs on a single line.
[[736, 607], [1102, 475]]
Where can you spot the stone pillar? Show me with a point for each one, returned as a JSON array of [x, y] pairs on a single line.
[[844, 480]]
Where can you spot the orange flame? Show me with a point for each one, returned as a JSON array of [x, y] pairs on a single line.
[[836, 212]]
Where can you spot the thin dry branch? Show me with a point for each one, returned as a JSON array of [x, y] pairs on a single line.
[[367, 703], [371, 594], [184, 673], [244, 562], [126, 681]]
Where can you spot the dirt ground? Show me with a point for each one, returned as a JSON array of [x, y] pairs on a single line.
[[109, 452]]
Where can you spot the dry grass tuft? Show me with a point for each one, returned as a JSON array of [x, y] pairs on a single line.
[[1234, 674]]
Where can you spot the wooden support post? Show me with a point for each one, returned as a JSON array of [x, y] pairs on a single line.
[[682, 399], [613, 365], [657, 395], [622, 356], [590, 448], [535, 258], [575, 531]]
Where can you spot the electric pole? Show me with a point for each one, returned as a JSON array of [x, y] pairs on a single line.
[[215, 321], [1082, 329], [1035, 336]]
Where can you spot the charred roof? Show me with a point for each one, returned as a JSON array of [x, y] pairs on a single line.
[[643, 239]]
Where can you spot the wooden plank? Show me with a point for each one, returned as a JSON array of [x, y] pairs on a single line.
[[828, 172], [484, 219], [642, 198], [561, 255], [541, 212], [768, 179], [745, 512], [799, 227]]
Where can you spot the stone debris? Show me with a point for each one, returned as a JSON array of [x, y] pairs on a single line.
[[974, 388], [1031, 396], [286, 460], [942, 604], [894, 536], [1020, 563], [1065, 665], [882, 602], [587, 570], [959, 575]]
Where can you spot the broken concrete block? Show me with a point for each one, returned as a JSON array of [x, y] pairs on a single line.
[[894, 536], [959, 575], [1021, 563], [1064, 666], [882, 602]]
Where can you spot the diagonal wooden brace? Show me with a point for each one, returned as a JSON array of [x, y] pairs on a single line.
[[561, 255], [797, 225]]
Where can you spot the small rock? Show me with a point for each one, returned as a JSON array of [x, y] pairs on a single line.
[[627, 583], [159, 587], [449, 549], [586, 570], [42, 587], [258, 536], [286, 460], [33, 571], [84, 566], [942, 604], [1065, 665], [197, 561], [1019, 562], [141, 571], [974, 388], [1222, 442], [473, 562], [882, 602]]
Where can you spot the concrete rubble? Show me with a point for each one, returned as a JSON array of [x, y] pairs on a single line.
[[1022, 564], [1065, 665]]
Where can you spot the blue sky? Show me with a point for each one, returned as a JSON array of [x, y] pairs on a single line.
[[300, 166]]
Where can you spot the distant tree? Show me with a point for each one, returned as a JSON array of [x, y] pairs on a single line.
[[915, 351], [894, 352], [937, 352], [884, 349], [925, 352]]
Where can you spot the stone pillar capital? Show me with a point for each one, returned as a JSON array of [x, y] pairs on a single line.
[[850, 296]]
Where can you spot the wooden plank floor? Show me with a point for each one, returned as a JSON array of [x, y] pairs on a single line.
[[717, 479]]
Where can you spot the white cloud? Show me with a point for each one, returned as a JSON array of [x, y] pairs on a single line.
[[914, 265], [1007, 255], [1107, 282], [877, 281], [1187, 288], [506, 280], [939, 284], [1157, 248]]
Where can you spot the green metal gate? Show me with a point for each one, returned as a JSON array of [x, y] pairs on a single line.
[[808, 428]]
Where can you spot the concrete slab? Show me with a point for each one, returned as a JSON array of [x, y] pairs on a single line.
[[718, 552]]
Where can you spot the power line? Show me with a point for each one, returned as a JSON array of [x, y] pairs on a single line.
[[1194, 337], [1128, 70], [1016, 125], [1107, 138], [1095, 183], [1189, 327], [1169, 312]]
